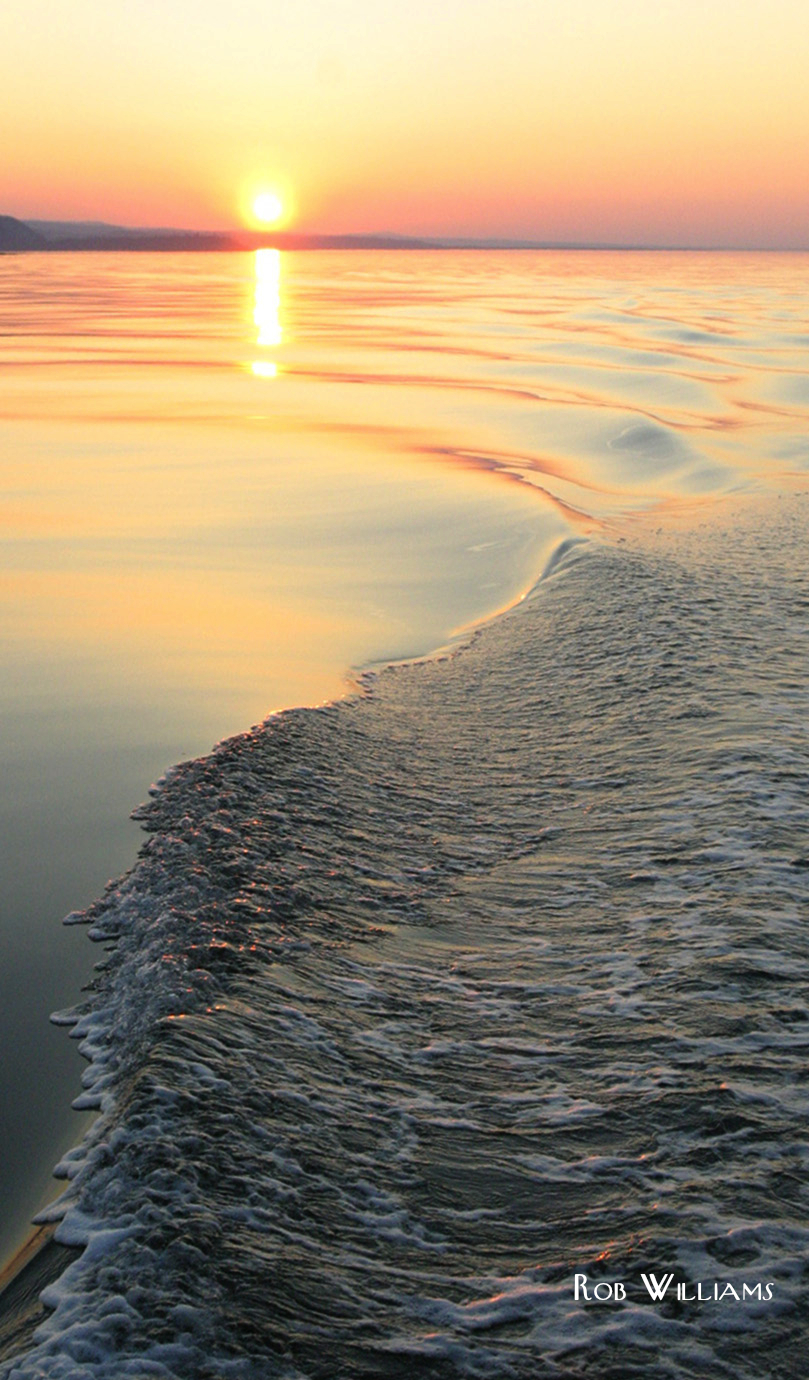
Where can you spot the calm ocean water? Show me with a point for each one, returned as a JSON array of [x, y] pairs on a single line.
[[416, 1006]]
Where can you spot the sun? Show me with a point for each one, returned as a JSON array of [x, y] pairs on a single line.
[[268, 207]]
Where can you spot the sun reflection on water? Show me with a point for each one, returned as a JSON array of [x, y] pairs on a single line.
[[267, 308], [265, 368]]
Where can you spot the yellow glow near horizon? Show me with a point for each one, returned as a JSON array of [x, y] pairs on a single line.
[[608, 120], [268, 208]]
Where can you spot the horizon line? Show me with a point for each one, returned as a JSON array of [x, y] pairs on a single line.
[[98, 235]]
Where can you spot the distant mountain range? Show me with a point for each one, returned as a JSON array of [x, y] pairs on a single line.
[[52, 235], [84, 235], [15, 234], [45, 235], [78, 235]]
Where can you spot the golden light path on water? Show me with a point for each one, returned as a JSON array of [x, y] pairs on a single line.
[[203, 521], [228, 479], [266, 314]]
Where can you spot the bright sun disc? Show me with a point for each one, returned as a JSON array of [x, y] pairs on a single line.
[[268, 207]]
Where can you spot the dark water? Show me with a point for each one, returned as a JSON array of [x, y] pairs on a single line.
[[192, 536], [418, 1005]]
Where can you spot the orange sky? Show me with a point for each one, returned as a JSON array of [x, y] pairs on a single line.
[[673, 121]]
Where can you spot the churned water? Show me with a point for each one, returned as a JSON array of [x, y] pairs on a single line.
[[429, 1018]]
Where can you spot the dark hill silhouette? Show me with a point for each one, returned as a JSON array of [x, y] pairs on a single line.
[[114, 240], [102, 237], [15, 234]]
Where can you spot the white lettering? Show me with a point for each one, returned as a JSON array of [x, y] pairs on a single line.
[[657, 1288]]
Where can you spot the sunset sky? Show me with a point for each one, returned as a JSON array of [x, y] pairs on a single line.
[[628, 121]]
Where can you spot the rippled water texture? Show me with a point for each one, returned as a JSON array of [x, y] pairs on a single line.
[[187, 546], [417, 1004]]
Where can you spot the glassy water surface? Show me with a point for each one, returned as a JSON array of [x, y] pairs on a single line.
[[226, 480]]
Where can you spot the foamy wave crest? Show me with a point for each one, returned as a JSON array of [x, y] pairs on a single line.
[[418, 1006]]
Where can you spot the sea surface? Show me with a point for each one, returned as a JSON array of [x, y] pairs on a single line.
[[421, 1002], [204, 518]]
